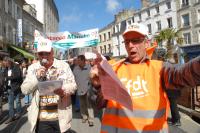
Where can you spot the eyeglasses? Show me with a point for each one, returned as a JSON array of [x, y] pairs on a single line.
[[44, 53], [134, 40]]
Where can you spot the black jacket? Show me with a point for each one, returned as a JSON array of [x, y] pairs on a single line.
[[15, 78], [2, 81]]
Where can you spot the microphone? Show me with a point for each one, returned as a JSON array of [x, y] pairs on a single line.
[[43, 62]]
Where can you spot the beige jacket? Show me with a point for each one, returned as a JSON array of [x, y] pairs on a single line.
[[64, 105]]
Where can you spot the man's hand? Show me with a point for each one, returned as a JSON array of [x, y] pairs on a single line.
[[94, 76], [60, 92], [41, 72]]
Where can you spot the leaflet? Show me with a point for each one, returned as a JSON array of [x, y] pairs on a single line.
[[112, 88], [48, 87]]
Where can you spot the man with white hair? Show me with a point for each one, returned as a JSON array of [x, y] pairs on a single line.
[[49, 113]]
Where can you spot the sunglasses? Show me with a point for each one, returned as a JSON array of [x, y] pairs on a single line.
[[44, 53], [134, 40]]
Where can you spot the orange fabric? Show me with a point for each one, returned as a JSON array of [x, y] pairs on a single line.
[[134, 123], [151, 49], [143, 83]]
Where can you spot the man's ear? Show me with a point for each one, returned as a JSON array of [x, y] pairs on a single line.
[[147, 43]]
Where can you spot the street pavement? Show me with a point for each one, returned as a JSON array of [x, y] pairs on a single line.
[[22, 126]]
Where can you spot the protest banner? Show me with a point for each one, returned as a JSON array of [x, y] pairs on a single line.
[[66, 40]]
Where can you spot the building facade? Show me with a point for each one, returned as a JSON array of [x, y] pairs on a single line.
[[118, 28], [47, 14], [188, 15], [10, 12], [157, 16], [30, 24], [105, 45]]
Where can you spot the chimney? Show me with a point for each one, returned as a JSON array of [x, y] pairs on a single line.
[[145, 3]]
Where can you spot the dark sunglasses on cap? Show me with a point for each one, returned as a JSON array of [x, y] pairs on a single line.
[[134, 40], [44, 53]]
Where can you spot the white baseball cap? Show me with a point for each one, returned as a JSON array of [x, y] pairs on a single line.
[[44, 45], [136, 28]]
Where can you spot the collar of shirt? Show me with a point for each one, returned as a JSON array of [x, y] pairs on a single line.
[[54, 65], [84, 68], [142, 61]]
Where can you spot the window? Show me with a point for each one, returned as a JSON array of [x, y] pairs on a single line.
[[6, 6], [109, 35], [168, 4], [158, 23], [185, 20], [148, 13], [7, 33], [101, 50], [104, 37], [198, 16], [133, 19], [169, 21], [118, 28], [19, 13], [157, 10], [140, 17], [149, 28], [1, 28], [114, 29], [10, 7], [185, 3], [105, 49], [187, 38], [128, 22], [100, 39], [109, 48]]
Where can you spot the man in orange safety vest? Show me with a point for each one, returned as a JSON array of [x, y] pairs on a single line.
[[145, 81]]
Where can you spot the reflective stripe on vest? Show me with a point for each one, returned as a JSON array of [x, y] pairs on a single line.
[[136, 113], [110, 129]]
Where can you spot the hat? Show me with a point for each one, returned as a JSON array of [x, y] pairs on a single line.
[[137, 29], [44, 45]]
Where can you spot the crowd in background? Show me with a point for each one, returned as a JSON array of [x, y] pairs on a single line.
[[12, 74]]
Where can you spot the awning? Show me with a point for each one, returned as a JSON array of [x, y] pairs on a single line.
[[4, 53], [23, 52]]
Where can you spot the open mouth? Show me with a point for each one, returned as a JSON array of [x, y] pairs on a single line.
[[132, 53]]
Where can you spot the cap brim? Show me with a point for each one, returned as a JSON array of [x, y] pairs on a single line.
[[46, 50], [134, 33]]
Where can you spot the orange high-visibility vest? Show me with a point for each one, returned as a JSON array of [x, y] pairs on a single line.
[[150, 102]]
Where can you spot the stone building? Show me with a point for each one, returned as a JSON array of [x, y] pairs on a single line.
[[10, 12], [30, 24], [47, 14], [188, 16], [105, 46]]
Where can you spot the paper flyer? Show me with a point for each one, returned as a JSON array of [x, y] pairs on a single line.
[[112, 88], [48, 87]]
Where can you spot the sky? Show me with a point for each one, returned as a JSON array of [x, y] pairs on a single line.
[[80, 15]]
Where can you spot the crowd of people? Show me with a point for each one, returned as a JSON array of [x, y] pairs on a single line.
[[157, 83]]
